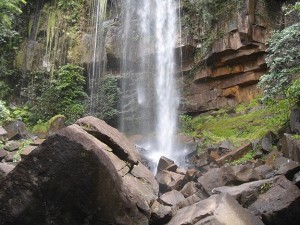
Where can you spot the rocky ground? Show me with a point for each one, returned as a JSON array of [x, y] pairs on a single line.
[[89, 173]]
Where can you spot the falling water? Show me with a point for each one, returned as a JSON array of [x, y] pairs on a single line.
[[97, 57], [150, 30]]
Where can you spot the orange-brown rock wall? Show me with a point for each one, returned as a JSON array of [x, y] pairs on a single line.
[[229, 72]]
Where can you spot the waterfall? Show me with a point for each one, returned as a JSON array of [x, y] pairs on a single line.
[[98, 59], [150, 97]]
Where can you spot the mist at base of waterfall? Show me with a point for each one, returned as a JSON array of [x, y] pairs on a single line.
[[152, 154]]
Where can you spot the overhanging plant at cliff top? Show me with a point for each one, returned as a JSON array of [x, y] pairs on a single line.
[[8, 8], [283, 60]]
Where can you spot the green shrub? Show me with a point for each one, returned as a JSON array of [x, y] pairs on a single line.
[[186, 124], [22, 114], [109, 95], [4, 113], [283, 61], [65, 95], [293, 93]]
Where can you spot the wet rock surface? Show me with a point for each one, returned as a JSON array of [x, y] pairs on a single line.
[[90, 173], [74, 178]]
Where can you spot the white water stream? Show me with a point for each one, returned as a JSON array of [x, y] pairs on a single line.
[[150, 30]]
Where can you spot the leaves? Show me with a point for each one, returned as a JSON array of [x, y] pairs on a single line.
[[283, 61]]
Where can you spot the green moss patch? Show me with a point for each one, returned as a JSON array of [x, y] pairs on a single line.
[[249, 122]]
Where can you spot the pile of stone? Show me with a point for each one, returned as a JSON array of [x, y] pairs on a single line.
[[89, 173], [241, 194]]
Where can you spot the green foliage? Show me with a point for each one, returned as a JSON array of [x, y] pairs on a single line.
[[22, 145], [109, 95], [186, 124], [264, 188], [283, 61], [22, 114], [8, 8], [207, 19], [40, 127], [34, 84], [4, 112], [296, 137], [65, 95], [251, 121], [293, 93]]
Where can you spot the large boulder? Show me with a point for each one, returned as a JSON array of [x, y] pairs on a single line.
[[3, 154], [73, 178], [216, 210], [228, 175], [121, 146], [5, 168], [3, 133], [279, 203], [168, 181], [247, 193], [16, 129], [291, 147]]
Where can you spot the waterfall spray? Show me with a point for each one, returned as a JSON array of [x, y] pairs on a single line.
[[150, 29], [98, 59]]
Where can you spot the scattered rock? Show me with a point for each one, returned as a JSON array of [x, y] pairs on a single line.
[[279, 204], [163, 163], [189, 189], [190, 200], [218, 209], [5, 168], [246, 193], [3, 133], [266, 144], [227, 175], [160, 214], [10, 157], [181, 171], [235, 154], [11, 146], [287, 167], [168, 181], [291, 147], [16, 130], [171, 198], [295, 121], [3, 154], [172, 168], [265, 171], [245, 173], [226, 146], [26, 151], [296, 179]]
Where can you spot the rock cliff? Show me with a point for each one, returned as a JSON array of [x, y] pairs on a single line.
[[225, 63]]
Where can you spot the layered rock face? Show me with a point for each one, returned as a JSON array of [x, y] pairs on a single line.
[[84, 174], [228, 73]]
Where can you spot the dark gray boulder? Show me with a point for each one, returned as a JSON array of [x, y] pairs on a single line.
[[5, 168], [216, 210], [291, 147], [73, 178], [228, 175], [171, 198], [3, 154], [164, 163], [16, 129], [279, 204]]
